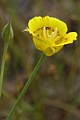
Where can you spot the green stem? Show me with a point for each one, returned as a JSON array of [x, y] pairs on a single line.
[[2, 65], [26, 86]]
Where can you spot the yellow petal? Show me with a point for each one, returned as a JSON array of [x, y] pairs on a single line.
[[58, 48], [40, 44], [37, 23], [67, 39], [48, 52], [52, 50], [55, 23]]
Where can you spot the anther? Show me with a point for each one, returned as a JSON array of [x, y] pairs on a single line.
[[53, 35], [48, 35], [44, 31]]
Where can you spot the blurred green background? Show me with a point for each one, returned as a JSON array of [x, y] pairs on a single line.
[[55, 92]]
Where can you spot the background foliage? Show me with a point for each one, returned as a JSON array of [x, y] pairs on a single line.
[[55, 92]]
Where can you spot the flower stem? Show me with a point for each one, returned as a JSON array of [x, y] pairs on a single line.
[[2, 65], [26, 86]]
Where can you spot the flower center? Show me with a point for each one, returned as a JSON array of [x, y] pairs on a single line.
[[48, 34]]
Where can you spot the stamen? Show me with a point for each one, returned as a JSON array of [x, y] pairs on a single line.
[[53, 35], [48, 35], [44, 31], [57, 38]]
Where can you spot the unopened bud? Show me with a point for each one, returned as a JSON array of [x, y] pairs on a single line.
[[7, 32]]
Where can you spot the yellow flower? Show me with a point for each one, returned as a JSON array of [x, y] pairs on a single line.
[[49, 34]]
